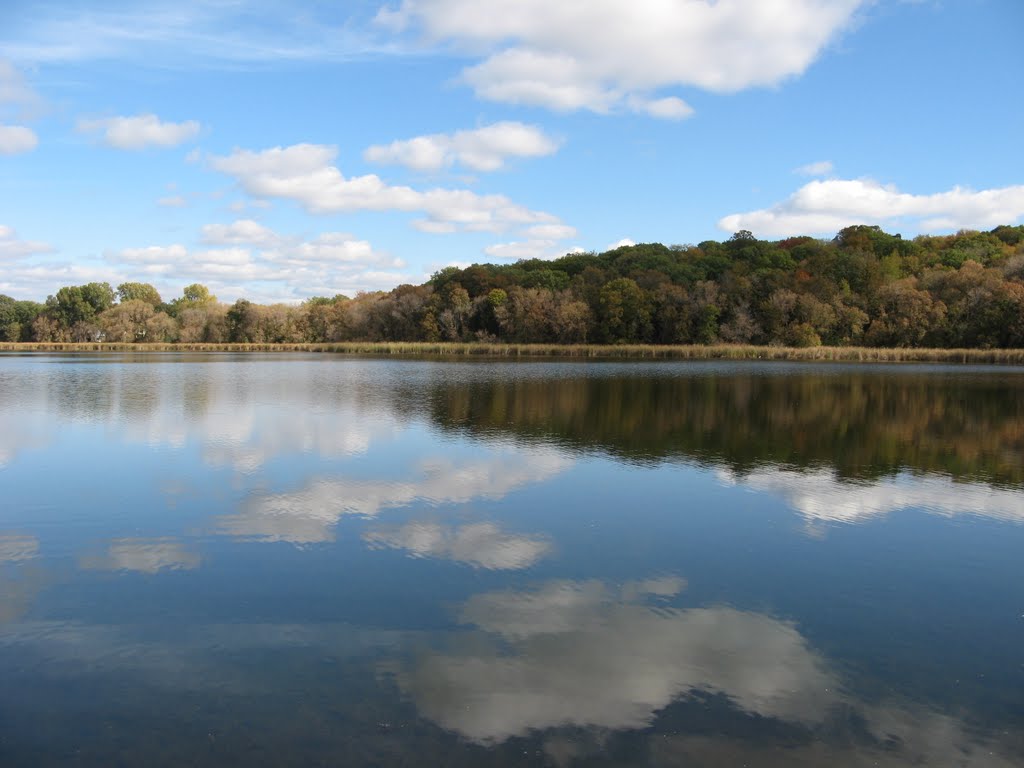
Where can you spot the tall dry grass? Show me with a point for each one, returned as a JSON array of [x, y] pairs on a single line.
[[591, 351]]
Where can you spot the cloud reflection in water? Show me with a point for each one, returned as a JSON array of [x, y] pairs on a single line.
[[15, 548], [582, 654], [144, 556], [309, 515], [819, 496], [482, 545], [574, 661]]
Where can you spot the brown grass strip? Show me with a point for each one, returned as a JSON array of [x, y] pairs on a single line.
[[590, 351]]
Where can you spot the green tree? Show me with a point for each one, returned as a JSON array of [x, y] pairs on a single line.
[[194, 296], [625, 315], [139, 292], [79, 303]]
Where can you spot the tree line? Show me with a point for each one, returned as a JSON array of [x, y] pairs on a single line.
[[865, 287]]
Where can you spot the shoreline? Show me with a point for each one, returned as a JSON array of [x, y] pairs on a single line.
[[588, 351]]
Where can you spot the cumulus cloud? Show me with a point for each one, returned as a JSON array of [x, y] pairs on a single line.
[[34, 280], [144, 556], [623, 243], [605, 55], [309, 515], [482, 545], [481, 149], [269, 264], [243, 231], [13, 247], [140, 131], [521, 249], [820, 496], [825, 207], [305, 173], [668, 108], [581, 654], [17, 139], [820, 168], [551, 231]]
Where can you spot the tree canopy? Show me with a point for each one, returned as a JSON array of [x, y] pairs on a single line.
[[863, 287]]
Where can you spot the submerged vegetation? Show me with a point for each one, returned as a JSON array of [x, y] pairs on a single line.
[[864, 288]]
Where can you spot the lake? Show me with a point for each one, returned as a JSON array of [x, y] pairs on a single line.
[[269, 560]]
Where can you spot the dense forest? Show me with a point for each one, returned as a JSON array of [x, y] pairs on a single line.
[[864, 287]]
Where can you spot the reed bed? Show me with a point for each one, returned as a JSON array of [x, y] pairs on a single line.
[[590, 351]]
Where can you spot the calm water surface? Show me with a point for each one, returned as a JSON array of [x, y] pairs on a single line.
[[307, 560]]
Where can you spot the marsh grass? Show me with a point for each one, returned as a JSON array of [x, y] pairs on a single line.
[[591, 351]]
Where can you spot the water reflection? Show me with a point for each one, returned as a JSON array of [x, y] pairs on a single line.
[[864, 422], [144, 556], [473, 598], [21, 432], [573, 662], [21, 579], [15, 548], [242, 416], [308, 515], [482, 545], [819, 495], [578, 654]]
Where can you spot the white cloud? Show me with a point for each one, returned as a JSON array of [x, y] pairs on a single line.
[[310, 514], [144, 556], [482, 149], [551, 231], [243, 231], [581, 654], [13, 247], [820, 168], [17, 139], [434, 227], [669, 108], [521, 249], [170, 255], [820, 496], [258, 263], [37, 280], [482, 545], [825, 207], [337, 247], [605, 55], [623, 243], [140, 131], [304, 173]]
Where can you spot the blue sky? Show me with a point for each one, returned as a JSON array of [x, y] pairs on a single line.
[[282, 150]]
